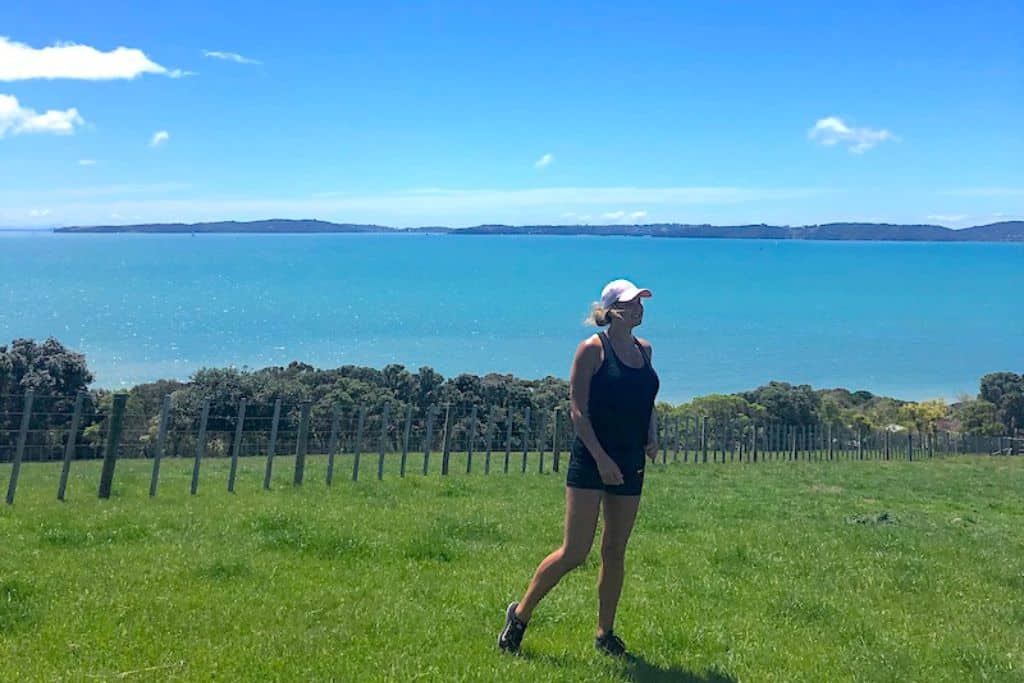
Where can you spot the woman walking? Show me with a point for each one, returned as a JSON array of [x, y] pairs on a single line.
[[612, 390]]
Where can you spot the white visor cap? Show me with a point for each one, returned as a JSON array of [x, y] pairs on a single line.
[[621, 290]]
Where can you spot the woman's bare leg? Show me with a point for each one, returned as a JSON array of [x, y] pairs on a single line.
[[619, 515], [581, 510]]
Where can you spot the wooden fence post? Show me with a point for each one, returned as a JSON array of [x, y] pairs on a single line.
[[69, 447], [753, 442], [542, 439], [385, 417], [236, 446], [19, 453], [446, 442], [113, 441], [556, 447], [675, 438], [301, 444], [359, 443], [491, 424], [200, 445], [332, 441], [405, 439], [526, 436], [469, 440], [663, 426], [161, 437], [272, 444], [704, 437], [689, 436], [431, 416], [508, 437]]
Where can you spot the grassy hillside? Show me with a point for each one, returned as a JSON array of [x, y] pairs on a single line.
[[873, 571]]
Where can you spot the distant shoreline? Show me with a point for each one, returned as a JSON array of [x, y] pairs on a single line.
[[1007, 231]]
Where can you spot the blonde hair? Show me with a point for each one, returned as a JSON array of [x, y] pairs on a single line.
[[600, 316]]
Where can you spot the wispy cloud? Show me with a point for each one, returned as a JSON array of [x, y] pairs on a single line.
[[56, 195], [544, 161], [592, 195], [623, 216], [86, 162], [159, 138], [946, 218], [455, 207], [19, 62], [832, 130], [987, 192], [15, 119], [230, 57]]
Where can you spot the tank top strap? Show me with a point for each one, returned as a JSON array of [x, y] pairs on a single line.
[[609, 353], [643, 352]]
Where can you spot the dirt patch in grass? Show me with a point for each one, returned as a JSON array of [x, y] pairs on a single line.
[[872, 519]]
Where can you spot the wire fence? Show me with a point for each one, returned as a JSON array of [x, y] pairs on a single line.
[[62, 428]]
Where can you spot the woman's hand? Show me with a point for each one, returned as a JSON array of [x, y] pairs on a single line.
[[652, 450], [610, 472]]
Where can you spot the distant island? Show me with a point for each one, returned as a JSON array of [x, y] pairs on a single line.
[[1006, 231]]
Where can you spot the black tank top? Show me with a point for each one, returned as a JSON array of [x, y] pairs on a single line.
[[620, 405]]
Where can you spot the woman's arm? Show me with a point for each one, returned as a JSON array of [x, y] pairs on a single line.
[[652, 428], [584, 365]]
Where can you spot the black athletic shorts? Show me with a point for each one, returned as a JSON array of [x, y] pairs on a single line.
[[583, 474]]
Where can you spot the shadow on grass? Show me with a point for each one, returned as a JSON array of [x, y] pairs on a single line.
[[638, 669]]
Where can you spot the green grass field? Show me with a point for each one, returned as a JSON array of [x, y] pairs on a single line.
[[832, 571]]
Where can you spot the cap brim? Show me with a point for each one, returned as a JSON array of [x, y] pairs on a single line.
[[631, 294]]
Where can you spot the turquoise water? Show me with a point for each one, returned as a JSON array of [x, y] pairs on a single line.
[[912, 320]]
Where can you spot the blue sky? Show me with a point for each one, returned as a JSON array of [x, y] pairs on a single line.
[[457, 114]]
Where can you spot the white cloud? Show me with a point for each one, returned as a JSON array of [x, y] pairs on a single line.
[[831, 130], [16, 119], [614, 215], [39, 213], [946, 218], [159, 138], [68, 60], [544, 161], [230, 57], [638, 215], [86, 162]]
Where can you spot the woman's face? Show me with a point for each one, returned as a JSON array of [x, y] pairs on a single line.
[[632, 312]]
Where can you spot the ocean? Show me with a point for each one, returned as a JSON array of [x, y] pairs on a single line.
[[913, 320]]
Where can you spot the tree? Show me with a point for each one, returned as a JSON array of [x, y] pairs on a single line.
[[978, 417], [1005, 390], [925, 415], [48, 369], [785, 403], [829, 410], [54, 373]]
